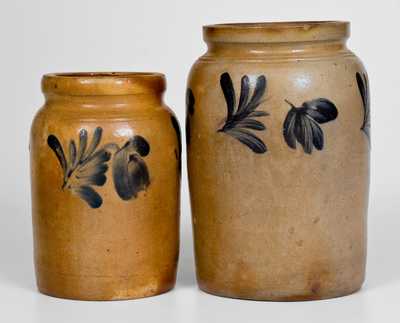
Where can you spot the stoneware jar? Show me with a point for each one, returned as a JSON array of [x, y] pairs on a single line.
[[105, 170], [278, 160]]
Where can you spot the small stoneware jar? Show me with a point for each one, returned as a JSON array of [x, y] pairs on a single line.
[[278, 142], [105, 171]]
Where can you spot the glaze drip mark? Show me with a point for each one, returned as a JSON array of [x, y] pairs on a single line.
[[363, 86], [239, 121], [130, 172], [178, 153], [302, 123], [190, 101], [85, 167]]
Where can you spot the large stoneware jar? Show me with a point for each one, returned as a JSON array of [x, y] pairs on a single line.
[[105, 168], [278, 159]]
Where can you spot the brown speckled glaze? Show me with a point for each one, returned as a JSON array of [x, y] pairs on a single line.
[[106, 227], [279, 205]]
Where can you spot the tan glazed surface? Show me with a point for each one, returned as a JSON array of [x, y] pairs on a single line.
[[126, 247], [281, 217]]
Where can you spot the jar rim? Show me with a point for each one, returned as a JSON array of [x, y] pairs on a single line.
[[277, 32], [103, 83]]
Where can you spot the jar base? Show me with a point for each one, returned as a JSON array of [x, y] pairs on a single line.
[[79, 297], [102, 288], [271, 297]]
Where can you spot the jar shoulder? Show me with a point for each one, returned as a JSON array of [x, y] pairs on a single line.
[[280, 54], [330, 69], [66, 121]]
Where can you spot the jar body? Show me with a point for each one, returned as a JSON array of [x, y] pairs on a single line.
[[108, 227], [281, 216]]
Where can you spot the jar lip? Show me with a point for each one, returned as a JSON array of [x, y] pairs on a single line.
[[103, 83], [277, 32]]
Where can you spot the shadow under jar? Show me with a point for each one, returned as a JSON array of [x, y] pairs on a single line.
[[278, 160], [105, 171]]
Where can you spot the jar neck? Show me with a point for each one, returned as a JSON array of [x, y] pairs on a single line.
[[277, 39], [104, 88], [118, 102], [284, 49]]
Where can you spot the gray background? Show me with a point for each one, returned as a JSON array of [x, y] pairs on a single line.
[[41, 36]]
